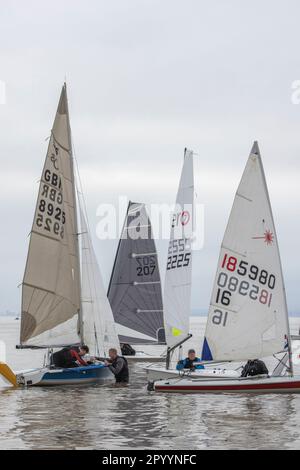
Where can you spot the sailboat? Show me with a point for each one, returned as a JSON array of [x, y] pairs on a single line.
[[135, 288], [63, 298], [178, 276], [248, 316]]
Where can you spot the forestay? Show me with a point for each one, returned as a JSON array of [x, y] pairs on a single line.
[[248, 316], [135, 287], [51, 285], [177, 290]]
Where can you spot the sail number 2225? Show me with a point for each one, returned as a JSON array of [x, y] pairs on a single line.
[[179, 254]]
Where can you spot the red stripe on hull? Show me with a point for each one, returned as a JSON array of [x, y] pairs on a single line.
[[212, 388]]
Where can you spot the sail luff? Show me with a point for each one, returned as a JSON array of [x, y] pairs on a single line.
[[117, 252], [75, 198]]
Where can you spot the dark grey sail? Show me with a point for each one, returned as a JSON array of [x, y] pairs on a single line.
[[135, 288]]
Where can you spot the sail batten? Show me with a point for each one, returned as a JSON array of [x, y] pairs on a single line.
[[135, 287], [248, 316]]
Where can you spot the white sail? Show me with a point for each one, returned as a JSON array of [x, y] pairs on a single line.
[[248, 316], [51, 285], [177, 289], [98, 322]]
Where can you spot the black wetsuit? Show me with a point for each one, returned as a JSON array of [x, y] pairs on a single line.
[[119, 367]]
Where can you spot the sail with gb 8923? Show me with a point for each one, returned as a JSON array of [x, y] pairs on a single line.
[[177, 290], [51, 284], [248, 316]]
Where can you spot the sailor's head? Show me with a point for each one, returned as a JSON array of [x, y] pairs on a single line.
[[113, 353], [192, 354], [83, 350]]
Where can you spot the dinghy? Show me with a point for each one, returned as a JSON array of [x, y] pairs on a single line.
[[63, 298], [177, 289], [248, 315], [134, 290]]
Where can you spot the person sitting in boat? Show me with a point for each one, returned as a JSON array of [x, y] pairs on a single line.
[[188, 362], [118, 366], [70, 357]]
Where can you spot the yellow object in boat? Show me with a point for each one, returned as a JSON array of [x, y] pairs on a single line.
[[8, 374]]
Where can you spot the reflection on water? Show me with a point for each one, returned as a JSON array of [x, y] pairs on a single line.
[[104, 417], [110, 418]]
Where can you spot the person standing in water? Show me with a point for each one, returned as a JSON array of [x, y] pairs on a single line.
[[118, 366]]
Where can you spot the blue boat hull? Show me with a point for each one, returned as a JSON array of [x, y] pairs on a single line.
[[74, 376]]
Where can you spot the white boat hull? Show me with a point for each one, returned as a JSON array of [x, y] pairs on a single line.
[[159, 373], [259, 384]]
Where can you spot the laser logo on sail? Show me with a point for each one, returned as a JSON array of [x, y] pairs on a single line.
[[268, 237]]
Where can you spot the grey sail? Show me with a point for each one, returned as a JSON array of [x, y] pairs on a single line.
[[51, 286], [135, 287]]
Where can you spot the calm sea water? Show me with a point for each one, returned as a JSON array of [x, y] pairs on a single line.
[[104, 417]]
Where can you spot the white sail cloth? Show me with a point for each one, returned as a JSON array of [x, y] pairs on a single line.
[[248, 315], [99, 331], [177, 289]]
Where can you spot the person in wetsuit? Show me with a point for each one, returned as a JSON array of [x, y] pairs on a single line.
[[118, 366], [188, 362], [70, 357]]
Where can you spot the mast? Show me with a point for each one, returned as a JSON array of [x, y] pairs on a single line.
[[255, 150], [76, 234]]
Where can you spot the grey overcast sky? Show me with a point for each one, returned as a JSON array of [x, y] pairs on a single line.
[[147, 78]]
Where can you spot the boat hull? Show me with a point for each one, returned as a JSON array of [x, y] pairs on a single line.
[[159, 373], [74, 376], [243, 385]]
